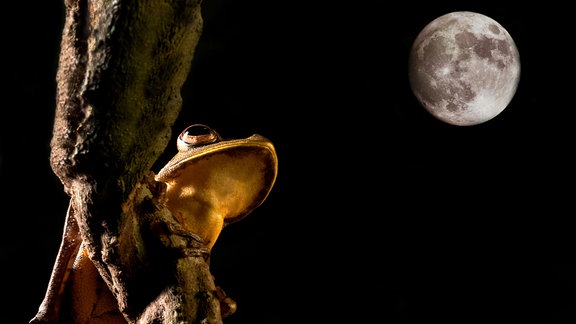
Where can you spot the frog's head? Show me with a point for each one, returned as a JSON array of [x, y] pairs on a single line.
[[213, 182]]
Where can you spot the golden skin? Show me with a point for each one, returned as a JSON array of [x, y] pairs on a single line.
[[210, 183]]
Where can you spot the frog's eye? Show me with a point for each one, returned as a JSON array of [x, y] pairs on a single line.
[[196, 135]]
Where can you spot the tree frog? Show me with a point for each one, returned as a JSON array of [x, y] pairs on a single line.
[[210, 182], [213, 182]]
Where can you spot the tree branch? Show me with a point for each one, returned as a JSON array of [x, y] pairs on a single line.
[[122, 65]]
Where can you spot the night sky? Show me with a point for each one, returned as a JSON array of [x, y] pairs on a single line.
[[380, 213]]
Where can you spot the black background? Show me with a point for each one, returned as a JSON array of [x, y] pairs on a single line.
[[380, 212]]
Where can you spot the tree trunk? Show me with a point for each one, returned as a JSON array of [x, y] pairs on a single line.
[[122, 65]]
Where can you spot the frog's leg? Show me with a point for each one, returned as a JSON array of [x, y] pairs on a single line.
[[49, 310]]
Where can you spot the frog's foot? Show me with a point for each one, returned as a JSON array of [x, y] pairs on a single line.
[[175, 237], [227, 304]]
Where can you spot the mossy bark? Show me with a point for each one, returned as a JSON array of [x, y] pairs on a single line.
[[122, 65]]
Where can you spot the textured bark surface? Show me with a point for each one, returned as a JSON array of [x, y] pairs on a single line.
[[122, 65]]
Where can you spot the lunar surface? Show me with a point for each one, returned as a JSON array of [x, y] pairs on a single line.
[[464, 68]]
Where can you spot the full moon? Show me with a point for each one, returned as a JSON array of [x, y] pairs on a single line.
[[464, 68]]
